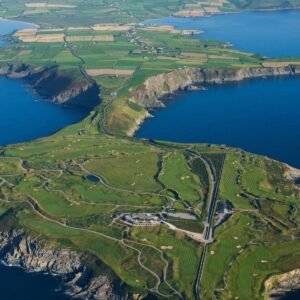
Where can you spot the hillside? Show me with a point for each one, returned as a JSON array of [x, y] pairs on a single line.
[[137, 217]]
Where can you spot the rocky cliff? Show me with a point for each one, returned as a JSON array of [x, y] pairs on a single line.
[[80, 280], [150, 93], [56, 86], [277, 286]]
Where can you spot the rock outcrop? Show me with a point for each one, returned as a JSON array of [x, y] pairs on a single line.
[[56, 86], [32, 253], [277, 286], [291, 173], [150, 93]]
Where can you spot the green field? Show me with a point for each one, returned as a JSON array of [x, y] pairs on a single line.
[[85, 13], [72, 187]]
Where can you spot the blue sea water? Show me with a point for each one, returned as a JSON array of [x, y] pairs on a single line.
[[15, 284], [23, 116], [269, 33], [293, 295], [7, 27], [262, 116]]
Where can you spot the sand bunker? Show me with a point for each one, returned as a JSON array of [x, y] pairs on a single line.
[[166, 247]]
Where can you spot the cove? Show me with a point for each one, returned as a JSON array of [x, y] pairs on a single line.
[[23, 115], [260, 116], [7, 27]]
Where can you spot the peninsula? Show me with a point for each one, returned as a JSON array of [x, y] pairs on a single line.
[[123, 218]]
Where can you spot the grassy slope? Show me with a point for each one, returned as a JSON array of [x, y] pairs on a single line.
[[52, 171]]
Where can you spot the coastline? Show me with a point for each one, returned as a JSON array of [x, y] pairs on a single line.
[[292, 174], [155, 89], [238, 12], [142, 118], [20, 22], [138, 123], [43, 82], [278, 286], [78, 278]]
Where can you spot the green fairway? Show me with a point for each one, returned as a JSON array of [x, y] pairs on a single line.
[[144, 207]]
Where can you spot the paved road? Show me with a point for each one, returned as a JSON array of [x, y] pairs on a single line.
[[208, 231]]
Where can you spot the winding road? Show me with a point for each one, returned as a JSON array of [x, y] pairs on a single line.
[[207, 236], [33, 203]]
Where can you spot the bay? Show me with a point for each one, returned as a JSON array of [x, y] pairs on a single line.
[[23, 115], [261, 116]]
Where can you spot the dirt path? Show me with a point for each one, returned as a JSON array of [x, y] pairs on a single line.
[[33, 203]]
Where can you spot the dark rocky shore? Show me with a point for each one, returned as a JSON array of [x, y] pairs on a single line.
[[279, 285], [84, 276]]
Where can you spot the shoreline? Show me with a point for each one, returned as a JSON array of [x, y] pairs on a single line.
[[60, 290], [279, 285], [74, 95], [230, 45], [237, 12], [78, 279], [64, 97], [292, 174], [20, 22], [139, 122], [159, 97], [38, 79], [86, 113]]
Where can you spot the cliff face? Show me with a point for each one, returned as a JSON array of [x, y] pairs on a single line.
[[31, 253], [149, 94], [279, 285], [55, 86]]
